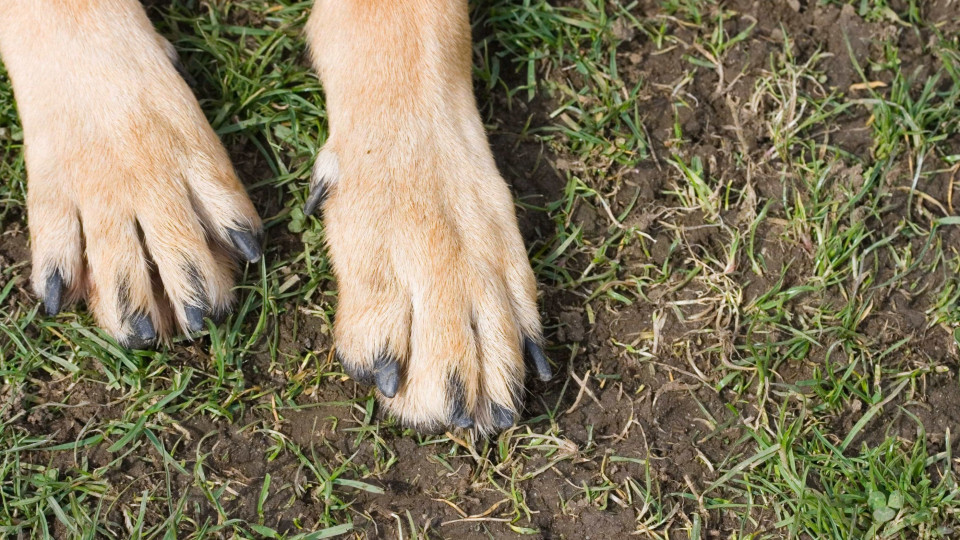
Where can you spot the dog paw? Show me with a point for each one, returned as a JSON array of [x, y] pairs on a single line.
[[437, 300], [132, 201]]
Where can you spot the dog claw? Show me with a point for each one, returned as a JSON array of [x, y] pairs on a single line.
[[144, 332], [539, 360], [502, 416], [195, 316], [386, 373], [184, 74], [246, 244], [354, 371], [459, 417], [317, 195], [53, 293]]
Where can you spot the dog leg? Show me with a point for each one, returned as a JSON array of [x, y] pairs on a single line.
[[127, 182], [437, 300]]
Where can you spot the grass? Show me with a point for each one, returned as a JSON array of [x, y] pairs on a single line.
[[747, 243]]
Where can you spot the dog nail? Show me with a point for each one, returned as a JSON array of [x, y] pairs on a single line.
[[187, 78], [540, 362], [387, 375], [53, 293], [459, 418], [246, 244], [194, 317], [315, 199], [502, 416], [143, 334], [354, 371]]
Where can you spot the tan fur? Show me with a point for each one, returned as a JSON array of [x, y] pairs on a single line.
[[420, 225], [115, 139]]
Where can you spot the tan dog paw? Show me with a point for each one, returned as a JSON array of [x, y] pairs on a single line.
[[437, 301], [132, 201]]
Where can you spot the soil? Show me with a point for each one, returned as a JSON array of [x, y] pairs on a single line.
[[643, 411]]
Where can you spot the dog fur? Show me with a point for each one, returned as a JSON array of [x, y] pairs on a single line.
[[133, 204]]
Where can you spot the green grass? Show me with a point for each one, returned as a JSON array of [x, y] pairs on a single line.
[[750, 278]]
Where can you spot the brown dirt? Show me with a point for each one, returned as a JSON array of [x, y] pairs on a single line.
[[659, 422]]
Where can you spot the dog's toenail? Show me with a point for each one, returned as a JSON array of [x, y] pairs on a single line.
[[194, 317], [184, 74], [502, 416], [53, 293], [539, 360], [387, 375], [143, 327], [246, 244], [317, 195], [143, 332], [355, 371], [459, 417]]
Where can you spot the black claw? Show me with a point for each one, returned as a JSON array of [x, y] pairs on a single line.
[[246, 244], [355, 372], [539, 360], [503, 417], [317, 195], [53, 293], [459, 417], [386, 373], [195, 316], [178, 65], [143, 334]]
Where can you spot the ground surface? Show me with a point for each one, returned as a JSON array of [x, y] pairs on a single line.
[[744, 222]]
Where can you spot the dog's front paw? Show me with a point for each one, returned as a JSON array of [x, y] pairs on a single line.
[[132, 201], [437, 300]]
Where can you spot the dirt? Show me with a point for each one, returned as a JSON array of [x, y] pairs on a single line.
[[638, 410]]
